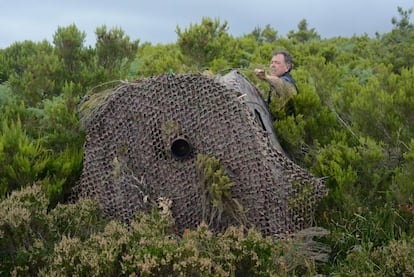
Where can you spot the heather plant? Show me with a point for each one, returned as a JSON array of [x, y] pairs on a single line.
[[98, 255], [151, 247], [28, 232], [80, 219], [23, 231], [199, 252], [251, 254], [75, 240]]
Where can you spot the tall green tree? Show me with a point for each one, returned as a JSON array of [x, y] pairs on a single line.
[[78, 60], [203, 43], [398, 45], [303, 34], [114, 52], [33, 75], [266, 34], [69, 45], [158, 59]]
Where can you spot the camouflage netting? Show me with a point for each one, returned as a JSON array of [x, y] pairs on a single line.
[[142, 143]]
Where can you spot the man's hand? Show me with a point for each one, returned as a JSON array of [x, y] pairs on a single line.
[[260, 73]]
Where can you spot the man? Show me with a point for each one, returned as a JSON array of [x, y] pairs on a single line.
[[281, 82]]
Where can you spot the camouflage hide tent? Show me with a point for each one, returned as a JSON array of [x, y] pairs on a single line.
[[144, 140]]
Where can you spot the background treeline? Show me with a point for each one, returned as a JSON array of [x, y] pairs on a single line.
[[353, 126]]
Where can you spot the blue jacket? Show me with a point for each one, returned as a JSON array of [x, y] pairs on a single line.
[[287, 78]]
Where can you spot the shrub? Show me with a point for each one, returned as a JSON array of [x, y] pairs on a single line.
[[75, 240], [394, 259], [28, 233], [22, 161]]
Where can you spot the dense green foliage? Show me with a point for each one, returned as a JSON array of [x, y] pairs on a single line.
[[353, 126], [74, 240]]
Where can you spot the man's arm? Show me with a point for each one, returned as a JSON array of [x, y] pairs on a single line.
[[282, 88]]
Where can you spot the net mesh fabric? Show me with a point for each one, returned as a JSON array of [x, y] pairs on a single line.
[[128, 163]]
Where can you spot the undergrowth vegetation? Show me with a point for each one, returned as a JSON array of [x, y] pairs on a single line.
[[75, 240]]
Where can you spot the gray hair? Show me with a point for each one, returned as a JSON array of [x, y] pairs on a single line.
[[288, 57]]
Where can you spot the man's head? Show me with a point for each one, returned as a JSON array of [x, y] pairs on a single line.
[[280, 63]]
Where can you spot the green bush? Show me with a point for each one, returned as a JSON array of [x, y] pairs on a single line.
[[75, 240], [394, 259], [22, 161], [28, 232], [23, 231]]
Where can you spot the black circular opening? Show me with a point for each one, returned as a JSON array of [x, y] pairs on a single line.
[[180, 148]]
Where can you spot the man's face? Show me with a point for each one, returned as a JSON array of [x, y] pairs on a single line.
[[278, 66]]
